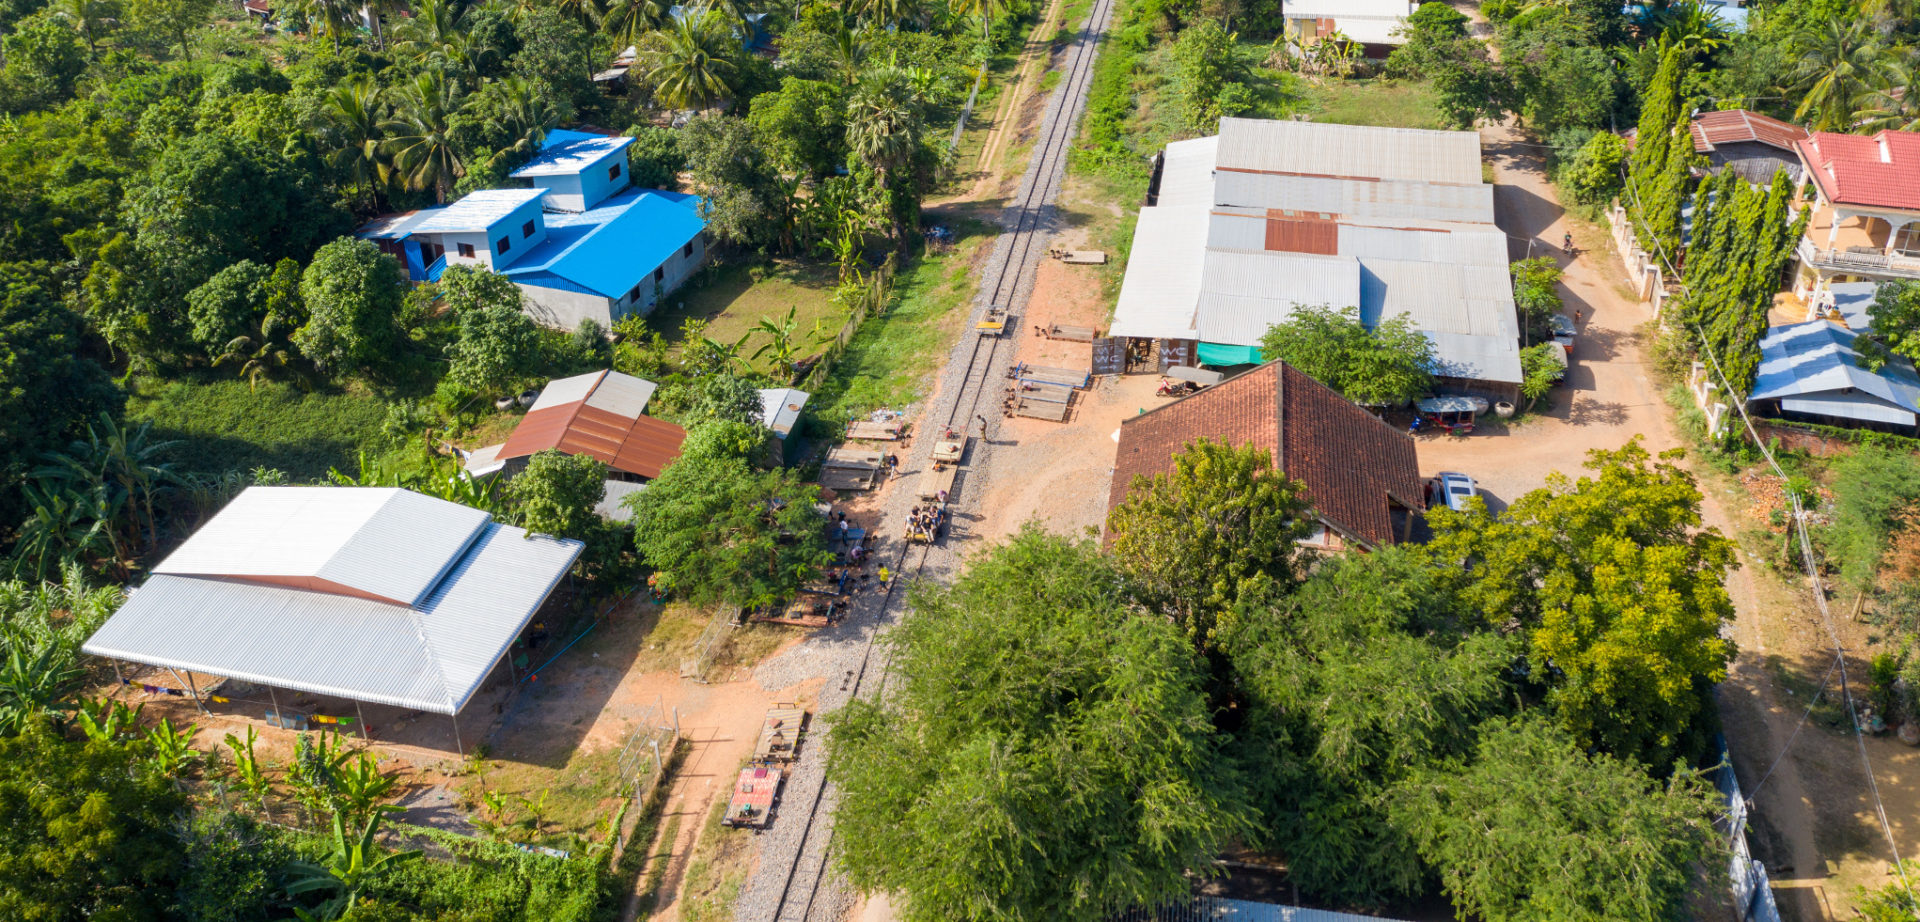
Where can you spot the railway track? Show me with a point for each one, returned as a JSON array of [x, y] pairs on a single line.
[[1003, 283]]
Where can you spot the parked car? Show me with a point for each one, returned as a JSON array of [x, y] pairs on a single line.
[[1456, 488], [1563, 330], [1564, 353]]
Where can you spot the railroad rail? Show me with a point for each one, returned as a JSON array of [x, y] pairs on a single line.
[[1021, 249]]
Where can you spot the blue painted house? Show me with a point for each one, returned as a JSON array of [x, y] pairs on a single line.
[[582, 243]]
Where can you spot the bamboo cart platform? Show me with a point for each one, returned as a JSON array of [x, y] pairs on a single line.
[[781, 733], [936, 481], [867, 430], [850, 469], [1041, 409], [754, 794], [1045, 374], [1049, 393]]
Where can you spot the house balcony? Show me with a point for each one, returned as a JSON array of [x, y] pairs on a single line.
[[1859, 260]]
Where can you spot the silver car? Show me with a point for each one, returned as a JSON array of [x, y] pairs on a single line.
[[1456, 488]]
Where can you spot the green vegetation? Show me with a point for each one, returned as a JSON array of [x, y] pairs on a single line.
[[1387, 365], [1379, 723], [1375, 101], [232, 426]]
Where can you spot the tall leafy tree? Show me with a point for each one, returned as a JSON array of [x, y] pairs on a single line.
[[1222, 526], [717, 530], [352, 291], [1389, 364], [557, 493], [498, 350], [1620, 591], [1743, 238], [885, 119], [1535, 827], [1657, 168], [1043, 751], [49, 389]]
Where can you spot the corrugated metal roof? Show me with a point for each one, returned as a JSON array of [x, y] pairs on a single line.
[[614, 246], [613, 505], [561, 391], [780, 409], [395, 226], [1336, 9], [431, 657], [1186, 173], [1162, 284], [1251, 230], [622, 395], [477, 211], [1396, 200], [1440, 298], [387, 543], [1242, 294], [1350, 151], [1854, 300], [565, 152], [1817, 360], [1481, 358]]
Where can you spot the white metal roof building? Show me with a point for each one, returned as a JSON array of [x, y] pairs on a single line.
[[1268, 216], [780, 409], [372, 594], [476, 211]]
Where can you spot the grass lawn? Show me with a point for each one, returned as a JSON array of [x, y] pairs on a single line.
[[888, 362], [717, 869], [224, 426], [1378, 101], [734, 296]]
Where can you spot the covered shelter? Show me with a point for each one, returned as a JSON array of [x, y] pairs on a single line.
[[1811, 371], [377, 595], [601, 414], [1362, 476]]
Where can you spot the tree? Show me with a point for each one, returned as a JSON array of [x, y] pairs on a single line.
[[1536, 292], [1221, 527], [498, 349], [44, 58], [419, 139], [174, 19], [885, 120], [1895, 316], [805, 125], [354, 113], [1517, 832], [1593, 175], [557, 493], [744, 199], [1743, 238], [125, 464], [1621, 593], [84, 831], [1834, 74], [688, 61], [1346, 686], [1210, 76], [654, 159], [718, 531], [1044, 752], [1657, 168], [352, 291], [49, 388], [227, 306], [627, 22], [726, 397], [1389, 364], [1542, 365]]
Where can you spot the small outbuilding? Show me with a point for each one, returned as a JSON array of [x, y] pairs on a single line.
[[1812, 372]]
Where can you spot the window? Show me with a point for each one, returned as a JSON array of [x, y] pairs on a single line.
[[526, 230], [505, 244], [613, 172], [466, 250], [633, 297], [659, 272], [687, 250]]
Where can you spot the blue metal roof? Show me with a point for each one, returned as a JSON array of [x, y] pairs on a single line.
[[567, 152], [612, 247], [1853, 300], [477, 211], [1811, 363]]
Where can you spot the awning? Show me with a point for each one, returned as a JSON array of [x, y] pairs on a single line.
[[1222, 354], [1196, 375]]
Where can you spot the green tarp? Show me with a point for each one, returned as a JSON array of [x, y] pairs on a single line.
[[1217, 354]]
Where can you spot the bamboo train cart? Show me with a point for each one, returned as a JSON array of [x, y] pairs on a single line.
[[807, 609], [850, 469], [1070, 332], [1078, 257], [994, 322], [869, 430], [780, 733], [754, 794], [929, 527]]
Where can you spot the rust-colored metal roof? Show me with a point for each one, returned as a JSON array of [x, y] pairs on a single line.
[[1353, 465], [1732, 126], [1297, 234], [637, 445]]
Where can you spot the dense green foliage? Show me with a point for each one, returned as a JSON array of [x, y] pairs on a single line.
[[715, 529], [1389, 364], [1872, 489], [1743, 238], [1222, 526], [1039, 735]]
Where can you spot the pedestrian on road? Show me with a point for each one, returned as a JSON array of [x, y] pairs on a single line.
[[1566, 241], [1577, 316], [886, 577]]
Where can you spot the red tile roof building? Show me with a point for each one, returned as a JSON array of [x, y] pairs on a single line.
[[1356, 469], [1878, 171]]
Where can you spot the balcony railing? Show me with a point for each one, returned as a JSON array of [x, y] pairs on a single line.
[[1862, 261]]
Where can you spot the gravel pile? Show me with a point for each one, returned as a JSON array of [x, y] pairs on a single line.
[[842, 654]]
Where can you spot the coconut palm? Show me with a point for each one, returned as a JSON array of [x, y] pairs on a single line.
[[353, 113], [1893, 104], [89, 18], [1832, 73], [985, 9], [435, 25], [687, 61], [523, 115], [627, 22], [418, 135], [1690, 26], [331, 16]]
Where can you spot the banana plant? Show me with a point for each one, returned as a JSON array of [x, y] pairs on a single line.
[[106, 720], [250, 771], [360, 786], [170, 752], [354, 866]]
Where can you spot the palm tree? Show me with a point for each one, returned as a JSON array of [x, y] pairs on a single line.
[[1690, 26], [418, 138], [89, 17], [985, 9], [352, 867], [627, 22], [125, 463], [353, 113], [331, 16], [1832, 73], [849, 53], [435, 25], [1893, 104], [884, 122], [687, 61], [523, 115]]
